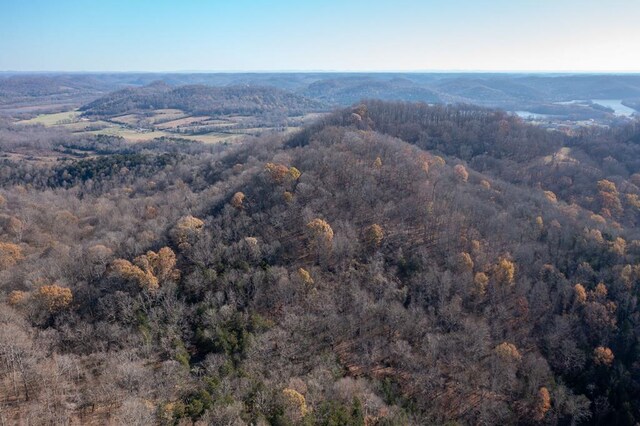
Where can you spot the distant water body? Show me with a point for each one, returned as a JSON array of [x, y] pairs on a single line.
[[615, 104], [532, 115]]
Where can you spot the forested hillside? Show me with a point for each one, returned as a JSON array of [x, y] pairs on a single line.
[[198, 99], [390, 264], [348, 90]]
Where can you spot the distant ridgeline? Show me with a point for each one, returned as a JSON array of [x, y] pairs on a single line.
[[251, 93]]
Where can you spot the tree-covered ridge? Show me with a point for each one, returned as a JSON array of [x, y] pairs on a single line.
[[200, 99], [392, 264]]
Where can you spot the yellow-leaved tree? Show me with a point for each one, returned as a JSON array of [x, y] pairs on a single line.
[[10, 254], [148, 270], [237, 200], [321, 231], [508, 352], [609, 198], [187, 230], [461, 173], [480, 282], [163, 264], [377, 164], [580, 294], [295, 405], [551, 196], [601, 291], [294, 173], [127, 270], [320, 238], [54, 297], [277, 172], [373, 235], [17, 297], [504, 272], [619, 246], [305, 276], [465, 262]]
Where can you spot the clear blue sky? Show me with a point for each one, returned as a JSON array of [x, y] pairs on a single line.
[[163, 35]]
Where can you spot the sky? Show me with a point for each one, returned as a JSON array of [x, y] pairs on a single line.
[[327, 35]]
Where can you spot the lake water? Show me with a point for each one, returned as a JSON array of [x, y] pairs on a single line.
[[531, 115], [614, 104]]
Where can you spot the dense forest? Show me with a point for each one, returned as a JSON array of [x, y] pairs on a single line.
[[392, 263]]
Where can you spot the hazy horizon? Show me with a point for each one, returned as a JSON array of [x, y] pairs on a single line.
[[566, 36], [329, 71]]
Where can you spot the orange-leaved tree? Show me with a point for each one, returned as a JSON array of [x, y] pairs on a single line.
[[542, 404], [603, 356]]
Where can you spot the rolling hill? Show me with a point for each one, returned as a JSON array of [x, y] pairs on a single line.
[[203, 100]]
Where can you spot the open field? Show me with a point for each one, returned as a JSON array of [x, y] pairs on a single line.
[[85, 125], [163, 115], [212, 137], [128, 119], [32, 157], [137, 127], [181, 122], [130, 134], [54, 119]]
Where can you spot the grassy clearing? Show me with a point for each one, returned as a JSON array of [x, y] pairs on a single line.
[[155, 118], [56, 119], [210, 138], [129, 119], [130, 135], [181, 122], [86, 126], [164, 115], [32, 157]]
